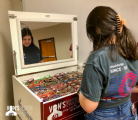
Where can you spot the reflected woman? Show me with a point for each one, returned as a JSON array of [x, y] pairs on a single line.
[[31, 52]]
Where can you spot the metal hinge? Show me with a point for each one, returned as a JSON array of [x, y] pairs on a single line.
[[15, 63], [75, 18], [12, 16], [77, 47]]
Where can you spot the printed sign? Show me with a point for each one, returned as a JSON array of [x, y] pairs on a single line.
[[64, 109]]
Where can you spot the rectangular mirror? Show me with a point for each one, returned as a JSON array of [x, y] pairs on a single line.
[[45, 41]]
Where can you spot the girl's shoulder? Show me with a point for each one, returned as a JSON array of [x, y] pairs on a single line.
[[97, 55]]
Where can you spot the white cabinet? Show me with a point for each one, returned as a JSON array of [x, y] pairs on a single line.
[[67, 107]]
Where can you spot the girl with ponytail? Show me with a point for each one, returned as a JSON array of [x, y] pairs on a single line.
[[111, 71]]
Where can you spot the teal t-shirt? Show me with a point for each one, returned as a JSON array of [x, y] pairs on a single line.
[[109, 83], [32, 54]]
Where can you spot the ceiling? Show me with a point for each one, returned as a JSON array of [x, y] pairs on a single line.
[[38, 25]]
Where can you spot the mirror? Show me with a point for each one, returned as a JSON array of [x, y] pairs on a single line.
[[46, 41]]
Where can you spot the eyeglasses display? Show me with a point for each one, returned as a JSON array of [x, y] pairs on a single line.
[[52, 87]]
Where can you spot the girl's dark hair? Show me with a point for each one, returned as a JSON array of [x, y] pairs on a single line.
[[101, 27], [26, 31]]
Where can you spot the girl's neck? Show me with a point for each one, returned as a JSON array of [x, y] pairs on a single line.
[[113, 41]]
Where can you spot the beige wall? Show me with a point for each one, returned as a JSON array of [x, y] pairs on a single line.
[[17, 5], [6, 60], [62, 37], [126, 8]]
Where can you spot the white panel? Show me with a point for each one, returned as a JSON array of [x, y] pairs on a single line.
[[28, 101]]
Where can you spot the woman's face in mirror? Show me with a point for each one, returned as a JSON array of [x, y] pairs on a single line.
[[27, 40]]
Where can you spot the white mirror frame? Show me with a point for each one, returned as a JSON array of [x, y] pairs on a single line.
[[17, 40]]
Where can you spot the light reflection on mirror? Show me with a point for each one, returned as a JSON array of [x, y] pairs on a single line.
[[46, 41]]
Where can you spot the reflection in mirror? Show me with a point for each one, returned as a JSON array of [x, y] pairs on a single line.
[[46, 41]]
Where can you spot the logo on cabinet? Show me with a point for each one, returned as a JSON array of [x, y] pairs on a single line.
[[11, 111], [55, 114]]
